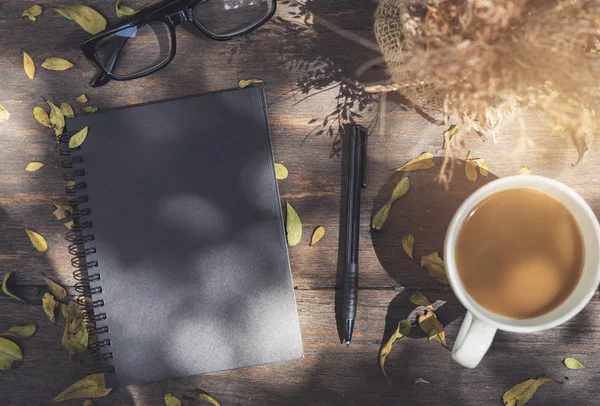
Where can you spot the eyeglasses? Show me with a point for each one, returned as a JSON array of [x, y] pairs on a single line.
[[145, 42]]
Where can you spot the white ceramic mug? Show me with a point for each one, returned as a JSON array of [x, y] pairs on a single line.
[[480, 325]]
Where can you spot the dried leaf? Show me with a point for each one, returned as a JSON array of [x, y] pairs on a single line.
[[420, 380], [62, 204], [402, 331], [583, 139], [483, 169], [69, 224], [317, 235], [63, 310], [381, 216], [82, 99], [281, 172], [56, 64], [88, 18], [400, 190], [28, 64], [37, 240], [33, 166], [435, 266], [67, 110], [419, 299], [525, 171], [78, 138], [293, 226], [5, 288], [209, 399], [60, 213], [408, 243], [470, 168], [88, 403], [57, 118], [9, 353], [75, 336], [22, 331], [428, 323], [32, 12], [559, 128], [171, 400], [247, 82], [570, 363], [521, 393], [4, 114], [124, 11], [90, 109], [423, 161], [91, 386], [58, 291], [41, 116], [448, 135], [49, 305]]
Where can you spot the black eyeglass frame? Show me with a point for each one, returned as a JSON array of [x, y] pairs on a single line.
[[170, 12]]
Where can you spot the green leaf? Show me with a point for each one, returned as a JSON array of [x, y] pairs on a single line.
[[171, 400], [436, 267], [572, 363], [124, 11], [38, 241], [521, 393], [91, 386], [9, 353], [41, 116], [4, 114], [67, 110], [419, 299], [22, 331], [88, 18], [90, 109], [408, 243], [49, 305], [293, 226], [58, 291], [5, 288], [57, 118], [32, 12], [317, 235], [28, 65], [403, 330], [281, 172], [56, 64], [79, 137]]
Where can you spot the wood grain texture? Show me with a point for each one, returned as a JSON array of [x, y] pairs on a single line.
[[309, 70]]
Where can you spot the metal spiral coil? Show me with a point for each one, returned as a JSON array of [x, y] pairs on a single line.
[[80, 236]]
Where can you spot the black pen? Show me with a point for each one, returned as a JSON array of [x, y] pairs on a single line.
[[357, 179]]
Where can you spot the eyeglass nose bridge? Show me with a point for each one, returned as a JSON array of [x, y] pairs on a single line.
[[179, 17]]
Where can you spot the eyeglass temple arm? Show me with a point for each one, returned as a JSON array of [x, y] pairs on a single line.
[[101, 78]]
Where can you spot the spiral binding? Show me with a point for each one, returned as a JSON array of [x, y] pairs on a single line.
[[84, 267]]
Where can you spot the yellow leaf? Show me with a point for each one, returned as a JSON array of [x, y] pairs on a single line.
[[281, 172], [37, 240], [5, 288], [90, 109], [247, 82], [56, 289], [435, 266], [400, 190], [62, 204], [470, 168], [317, 235], [78, 138], [483, 169], [381, 216], [88, 18], [56, 64], [559, 128], [525, 170], [41, 116], [67, 110], [408, 242], [9, 353], [28, 65], [448, 135], [293, 226], [419, 299], [402, 331], [91, 386], [209, 399], [32, 12], [423, 161], [75, 336], [22, 331], [521, 393], [82, 99], [63, 310], [4, 114], [428, 323], [171, 400], [88, 403], [570, 363], [57, 118], [124, 11], [69, 224], [33, 166], [49, 305]]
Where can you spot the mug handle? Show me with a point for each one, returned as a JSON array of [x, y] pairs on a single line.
[[473, 341]]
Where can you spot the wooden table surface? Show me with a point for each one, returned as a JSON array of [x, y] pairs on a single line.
[[309, 69]]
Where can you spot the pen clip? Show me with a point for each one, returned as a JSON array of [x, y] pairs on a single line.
[[362, 135]]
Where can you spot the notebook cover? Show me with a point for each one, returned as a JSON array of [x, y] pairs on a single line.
[[189, 237]]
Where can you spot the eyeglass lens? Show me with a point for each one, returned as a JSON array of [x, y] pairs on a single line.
[[230, 17]]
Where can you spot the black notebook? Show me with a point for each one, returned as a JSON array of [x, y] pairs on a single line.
[[181, 239]]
